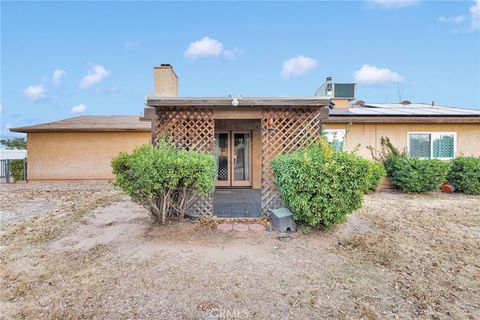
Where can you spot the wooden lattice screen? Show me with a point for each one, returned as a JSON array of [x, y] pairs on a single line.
[[190, 129], [290, 130]]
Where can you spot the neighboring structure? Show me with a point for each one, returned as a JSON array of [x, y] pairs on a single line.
[[6, 155], [81, 148], [245, 133], [12, 154]]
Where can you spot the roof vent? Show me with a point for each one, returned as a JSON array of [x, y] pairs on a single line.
[[359, 103], [405, 102]]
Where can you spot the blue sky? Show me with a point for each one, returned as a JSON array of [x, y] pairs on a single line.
[[60, 59]]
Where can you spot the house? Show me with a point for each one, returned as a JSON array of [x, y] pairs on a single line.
[[81, 148], [246, 133], [424, 130]]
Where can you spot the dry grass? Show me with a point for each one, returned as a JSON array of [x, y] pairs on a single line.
[[432, 243], [94, 255]]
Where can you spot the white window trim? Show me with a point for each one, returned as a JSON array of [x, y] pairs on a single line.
[[432, 133], [340, 135]]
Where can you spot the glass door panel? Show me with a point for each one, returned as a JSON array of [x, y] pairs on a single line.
[[222, 157], [241, 158]]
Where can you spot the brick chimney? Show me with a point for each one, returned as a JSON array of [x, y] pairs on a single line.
[[165, 81]]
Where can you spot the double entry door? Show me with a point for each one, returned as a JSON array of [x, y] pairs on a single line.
[[233, 155]]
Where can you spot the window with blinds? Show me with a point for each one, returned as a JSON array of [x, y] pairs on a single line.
[[438, 145]]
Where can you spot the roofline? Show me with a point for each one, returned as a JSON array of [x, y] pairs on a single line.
[[409, 115], [38, 128], [157, 101], [32, 129], [428, 104], [403, 119]]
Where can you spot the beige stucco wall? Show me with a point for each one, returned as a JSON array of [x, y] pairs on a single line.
[[78, 155], [369, 134]]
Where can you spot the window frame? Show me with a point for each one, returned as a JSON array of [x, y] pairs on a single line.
[[340, 133], [433, 135]]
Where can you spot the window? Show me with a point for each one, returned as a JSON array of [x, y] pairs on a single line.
[[438, 145], [335, 137]]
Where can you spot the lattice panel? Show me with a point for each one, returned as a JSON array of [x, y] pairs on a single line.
[[291, 129], [189, 129]]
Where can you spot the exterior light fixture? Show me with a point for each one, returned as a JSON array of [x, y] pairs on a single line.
[[270, 123], [235, 102]]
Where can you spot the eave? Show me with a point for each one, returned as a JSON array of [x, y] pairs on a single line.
[[298, 102], [402, 119]]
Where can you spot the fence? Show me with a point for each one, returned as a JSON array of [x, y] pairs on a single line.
[[6, 169]]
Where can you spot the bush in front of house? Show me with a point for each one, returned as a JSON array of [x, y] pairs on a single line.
[[411, 174], [465, 174], [416, 175], [319, 185], [376, 172], [17, 168], [163, 179]]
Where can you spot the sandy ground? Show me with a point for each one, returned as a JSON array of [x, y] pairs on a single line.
[[83, 250]]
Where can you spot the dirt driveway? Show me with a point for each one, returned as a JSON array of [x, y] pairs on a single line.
[[83, 250]]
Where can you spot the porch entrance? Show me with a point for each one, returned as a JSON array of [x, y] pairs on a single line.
[[233, 153]]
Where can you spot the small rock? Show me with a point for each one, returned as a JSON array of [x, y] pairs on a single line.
[[284, 237]]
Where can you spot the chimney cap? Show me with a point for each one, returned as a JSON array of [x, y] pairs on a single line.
[[328, 79], [405, 102], [163, 65]]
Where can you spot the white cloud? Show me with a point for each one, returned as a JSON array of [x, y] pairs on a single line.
[[36, 92], [5, 131], [297, 66], [206, 47], [389, 4], [79, 109], [232, 54], [475, 16], [374, 76], [96, 74], [57, 76], [109, 90], [452, 19]]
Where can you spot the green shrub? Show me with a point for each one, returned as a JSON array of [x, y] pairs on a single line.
[[465, 174], [319, 185], [376, 172], [16, 168], [416, 175], [163, 179]]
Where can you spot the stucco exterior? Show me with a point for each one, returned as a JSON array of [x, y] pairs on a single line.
[[78, 155], [369, 134]]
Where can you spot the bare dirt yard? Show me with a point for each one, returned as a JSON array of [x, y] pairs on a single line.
[[84, 251]]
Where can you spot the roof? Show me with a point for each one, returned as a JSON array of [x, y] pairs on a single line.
[[413, 109], [90, 123], [403, 113], [158, 101]]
